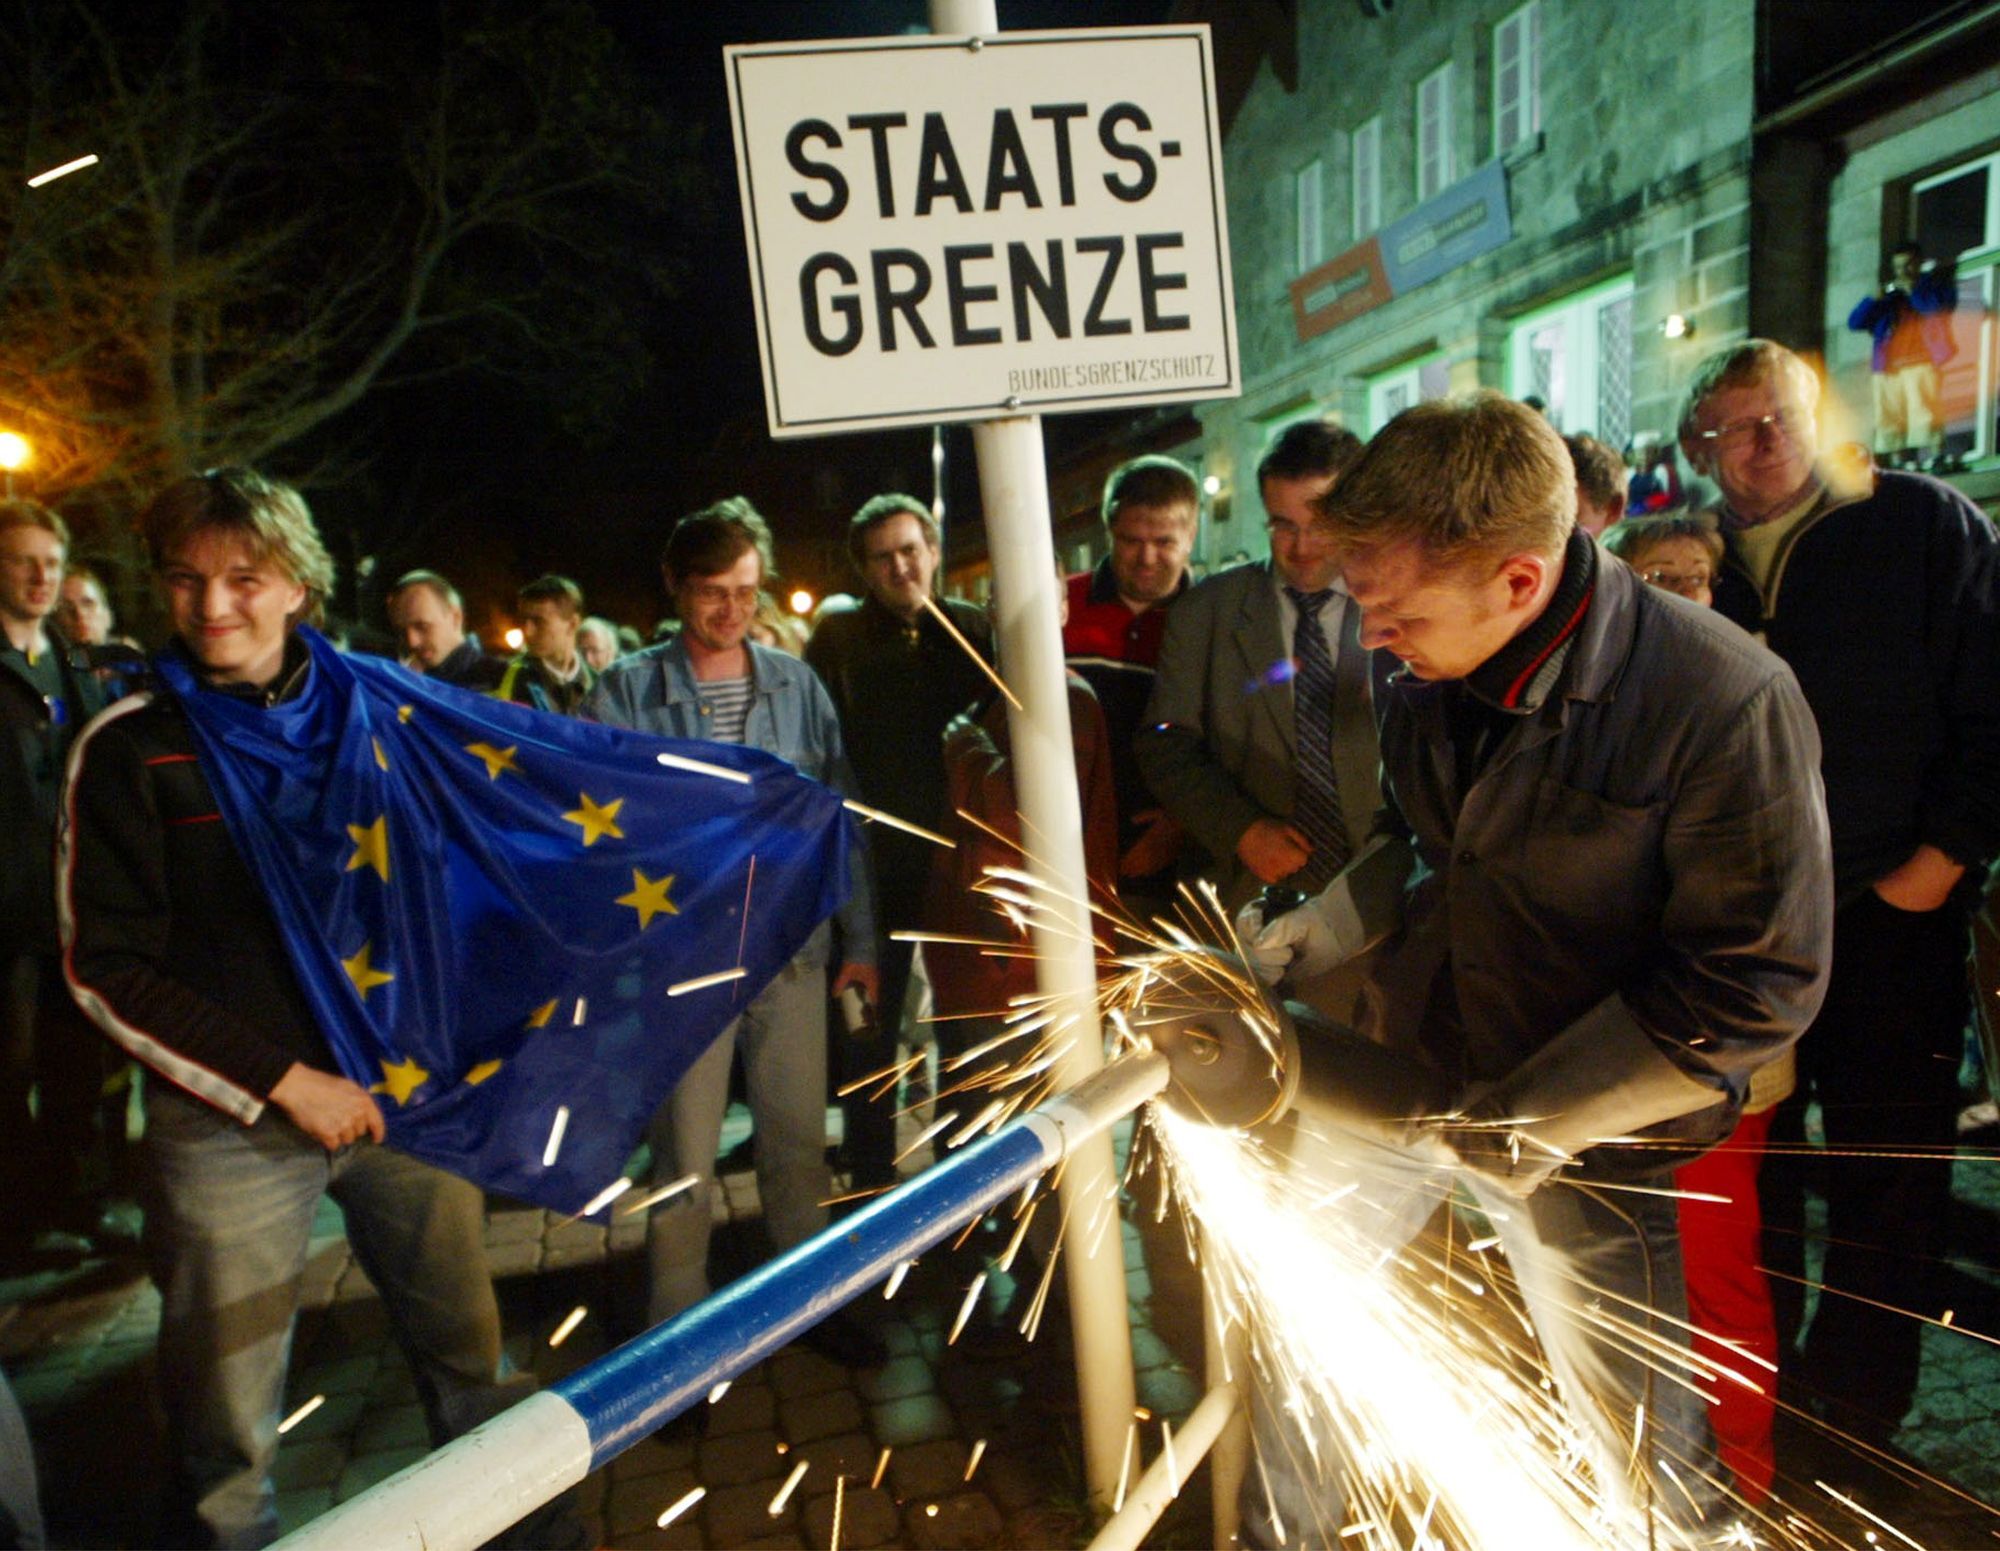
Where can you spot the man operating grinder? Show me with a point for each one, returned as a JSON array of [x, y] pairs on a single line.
[[1601, 879]]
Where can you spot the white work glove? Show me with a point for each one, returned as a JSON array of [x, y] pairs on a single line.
[[1302, 944]]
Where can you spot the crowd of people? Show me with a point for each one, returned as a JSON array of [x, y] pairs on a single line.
[[1614, 815]]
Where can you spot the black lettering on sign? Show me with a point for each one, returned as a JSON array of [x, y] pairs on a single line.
[[889, 300], [878, 126], [938, 174], [1094, 321], [963, 297], [1058, 116], [1147, 174], [1049, 287], [1007, 170], [846, 306], [1152, 283], [836, 185]]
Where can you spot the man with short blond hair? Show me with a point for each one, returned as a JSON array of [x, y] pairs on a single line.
[[1600, 884], [175, 949], [1878, 589]]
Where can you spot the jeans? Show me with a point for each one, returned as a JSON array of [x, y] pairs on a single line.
[[1620, 1246], [229, 1212], [783, 1037]]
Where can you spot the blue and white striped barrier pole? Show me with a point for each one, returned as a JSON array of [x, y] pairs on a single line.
[[470, 1490]]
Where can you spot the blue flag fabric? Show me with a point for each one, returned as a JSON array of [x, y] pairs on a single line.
[[487, 905]]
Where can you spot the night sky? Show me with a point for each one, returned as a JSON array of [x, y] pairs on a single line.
[[487, 488]]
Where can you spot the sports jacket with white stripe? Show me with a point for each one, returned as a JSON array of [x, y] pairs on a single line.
[[168, 942]]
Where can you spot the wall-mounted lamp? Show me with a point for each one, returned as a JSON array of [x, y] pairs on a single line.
[[1677, 325]]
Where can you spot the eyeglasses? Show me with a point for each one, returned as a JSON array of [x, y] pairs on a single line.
[[1786, 423], [713, 596], [1686, 583]]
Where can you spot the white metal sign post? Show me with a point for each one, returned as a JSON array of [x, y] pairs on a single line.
[[978, 226]]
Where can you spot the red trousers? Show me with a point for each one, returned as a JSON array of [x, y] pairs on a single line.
[[1729, 1299]]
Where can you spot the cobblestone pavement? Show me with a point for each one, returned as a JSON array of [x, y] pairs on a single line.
[[78, 1349]]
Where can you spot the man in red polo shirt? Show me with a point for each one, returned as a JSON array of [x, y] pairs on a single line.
[[1117, 615]]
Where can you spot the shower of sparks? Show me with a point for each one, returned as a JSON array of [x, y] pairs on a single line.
[[978, 1453], [895, 1283], [554, 1147], [680, 1505], [839, 1502], [965, 1309], [301, 1414], [665, 1192], [606, 1196], [890, 819], [1167, 1446], [702, 767], [715, 1395], [881, 1464], [1427, 1409], [777, 1504], [743, 927], [970, 650], [570, 1321], [576, 1021], [702, 982]]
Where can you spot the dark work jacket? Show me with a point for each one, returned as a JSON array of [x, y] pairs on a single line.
[[1647, 848], [169, 942], [896, 687], [468, 666], [1883, 604], [34, 745]]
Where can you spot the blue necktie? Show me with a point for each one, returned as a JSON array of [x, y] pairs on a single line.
[[1316, 798]]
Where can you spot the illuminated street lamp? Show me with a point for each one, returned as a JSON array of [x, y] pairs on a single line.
[[801, 601], [14, 454]]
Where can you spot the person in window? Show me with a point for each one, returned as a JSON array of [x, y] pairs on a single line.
[[1910, 321]]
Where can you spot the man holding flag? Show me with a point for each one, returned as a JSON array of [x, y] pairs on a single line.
[[331, 904]]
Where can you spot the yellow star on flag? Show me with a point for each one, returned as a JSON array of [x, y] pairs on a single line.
[[597, 821], [649, 897], [400, 1079], [381, 759], [371, 846], [405, 712], [480, 1073], [539, 1018], [366, 976], [495, 760]]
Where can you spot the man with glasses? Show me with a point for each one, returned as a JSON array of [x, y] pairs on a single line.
[[712, 681], [1259, 738], [1879, 590]]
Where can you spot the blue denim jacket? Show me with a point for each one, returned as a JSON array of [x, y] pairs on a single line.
[[790, 715]]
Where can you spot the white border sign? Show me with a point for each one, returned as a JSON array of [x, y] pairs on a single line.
[[956, 229]]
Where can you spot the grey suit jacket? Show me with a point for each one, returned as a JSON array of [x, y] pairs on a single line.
[[1218, 744]]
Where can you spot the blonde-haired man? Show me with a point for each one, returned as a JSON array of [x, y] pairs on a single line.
[[175, 951], [1602, 874]]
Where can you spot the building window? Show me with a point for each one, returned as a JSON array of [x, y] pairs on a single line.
[[1434, 132], [1956, 218], [1576, 357], [1390, 393], [1367, 150], [1307, 184], [1517, 78]]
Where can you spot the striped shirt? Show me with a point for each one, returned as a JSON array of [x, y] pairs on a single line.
[[725, 708]]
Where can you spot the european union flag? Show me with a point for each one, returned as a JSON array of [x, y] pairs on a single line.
[[491, 909]]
